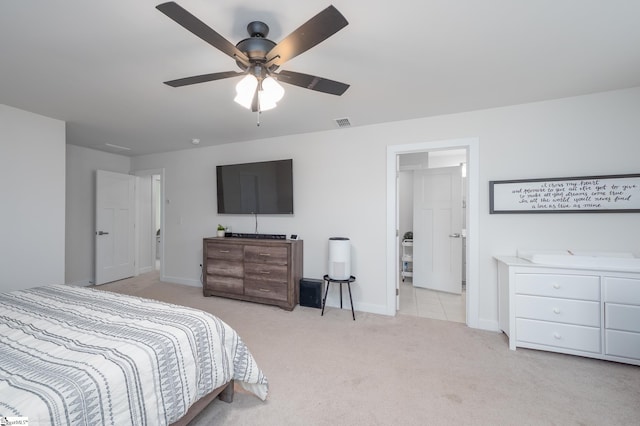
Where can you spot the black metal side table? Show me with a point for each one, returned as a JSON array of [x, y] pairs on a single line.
[[346, 281]]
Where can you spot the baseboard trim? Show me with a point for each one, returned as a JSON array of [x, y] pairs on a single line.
[[146, 269], [358, 307], [489, 325], [82, 283], [179, 280]]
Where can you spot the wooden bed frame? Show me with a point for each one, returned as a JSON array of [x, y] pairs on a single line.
[[224, 393]]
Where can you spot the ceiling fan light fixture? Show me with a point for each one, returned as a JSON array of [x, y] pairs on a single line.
[[270, 94], [245, 89]]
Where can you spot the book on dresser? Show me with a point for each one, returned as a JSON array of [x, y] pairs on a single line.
[[257, 270]]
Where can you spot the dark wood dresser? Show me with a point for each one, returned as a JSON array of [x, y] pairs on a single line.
[[263, 271]]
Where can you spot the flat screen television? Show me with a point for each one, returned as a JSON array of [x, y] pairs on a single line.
[[255, 188]]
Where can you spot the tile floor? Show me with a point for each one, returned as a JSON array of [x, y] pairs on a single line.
[[427, 303]]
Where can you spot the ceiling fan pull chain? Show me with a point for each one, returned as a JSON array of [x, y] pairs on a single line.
[[258, 123]]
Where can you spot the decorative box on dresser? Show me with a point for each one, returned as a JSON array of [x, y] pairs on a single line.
[[591, 312], [256, 270]]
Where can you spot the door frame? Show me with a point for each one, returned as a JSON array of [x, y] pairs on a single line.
[[151, 172], [472, 146]]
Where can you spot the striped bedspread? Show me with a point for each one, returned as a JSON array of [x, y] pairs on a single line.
[[78, 356]]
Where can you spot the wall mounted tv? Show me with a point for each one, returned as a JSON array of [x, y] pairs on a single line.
[[255, 188]]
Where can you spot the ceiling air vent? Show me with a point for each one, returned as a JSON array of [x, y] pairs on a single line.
[[343, 122]]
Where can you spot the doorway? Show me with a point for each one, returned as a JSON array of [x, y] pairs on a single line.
[[471, 216], [431, 211], [156, 187], [150, 232]]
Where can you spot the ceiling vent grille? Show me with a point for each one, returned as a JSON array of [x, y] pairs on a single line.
[[342, 122]]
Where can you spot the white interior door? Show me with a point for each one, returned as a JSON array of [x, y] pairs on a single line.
[[437, 229], [115, 226]]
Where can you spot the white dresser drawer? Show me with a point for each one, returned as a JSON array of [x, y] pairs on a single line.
[[584, 287], [622, 290], [622, 317], [566, 336], [622, 343], [579, 312]]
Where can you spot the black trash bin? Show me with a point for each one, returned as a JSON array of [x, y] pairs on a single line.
[[311, 292]]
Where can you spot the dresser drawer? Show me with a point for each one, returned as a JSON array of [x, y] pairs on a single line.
[[622, 317], [579, 312], [622, 343], [225, 251], [566, 336], [266, 289], [224, 284], [225, 268], [584, 287], [266, 254], [265, 271], [622, 290]]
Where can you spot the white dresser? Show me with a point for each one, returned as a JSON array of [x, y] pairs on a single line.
[[574, 310]]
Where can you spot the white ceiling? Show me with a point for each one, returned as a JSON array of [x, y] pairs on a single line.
[[99, 65]]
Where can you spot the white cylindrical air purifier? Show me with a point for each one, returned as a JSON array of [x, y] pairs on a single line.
[[339, 258]]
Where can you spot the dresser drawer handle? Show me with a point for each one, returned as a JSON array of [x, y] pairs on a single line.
[[557, 336], [265, 254], [265, 290], [556, 286], [556, 310], [265, 272], [224, 251]]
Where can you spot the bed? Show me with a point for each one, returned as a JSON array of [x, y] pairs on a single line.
[[81, 356]]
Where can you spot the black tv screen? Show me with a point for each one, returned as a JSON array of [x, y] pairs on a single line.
[[255, 188]]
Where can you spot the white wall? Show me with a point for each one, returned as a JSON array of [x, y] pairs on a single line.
[[32, 187], [340, 187], [82, 164]]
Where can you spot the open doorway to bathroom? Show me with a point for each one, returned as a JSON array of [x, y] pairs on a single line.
[[431, 222], [156, 182], [471, 222], [150, 229]]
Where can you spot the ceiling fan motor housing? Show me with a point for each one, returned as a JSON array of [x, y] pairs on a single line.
[[257, 46]]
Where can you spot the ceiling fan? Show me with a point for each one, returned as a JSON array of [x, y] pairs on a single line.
[[259, 58]]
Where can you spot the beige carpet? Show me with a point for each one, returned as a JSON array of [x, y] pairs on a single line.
[[405, 370]]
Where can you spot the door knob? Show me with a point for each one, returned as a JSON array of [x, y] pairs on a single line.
[[102, 233], [456, 235]]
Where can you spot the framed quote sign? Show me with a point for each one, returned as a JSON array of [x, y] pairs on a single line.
[[585, 194]]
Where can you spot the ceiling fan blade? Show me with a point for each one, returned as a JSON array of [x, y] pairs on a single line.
[[202, 78], [312, 82], [314, 31], [202, 30]]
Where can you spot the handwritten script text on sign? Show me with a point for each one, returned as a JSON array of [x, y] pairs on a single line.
[[589, 194]]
